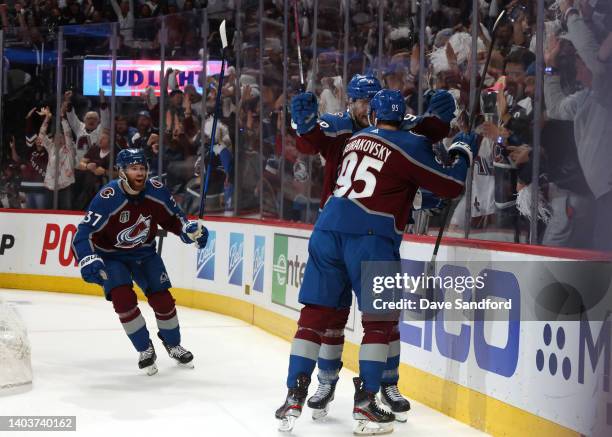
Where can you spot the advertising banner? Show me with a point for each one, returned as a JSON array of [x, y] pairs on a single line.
[[133, 76]]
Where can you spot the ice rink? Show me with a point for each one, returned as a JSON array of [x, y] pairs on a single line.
[[85, 366]]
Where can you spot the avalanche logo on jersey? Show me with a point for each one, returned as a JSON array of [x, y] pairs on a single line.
[[107, 193], [135, 235]]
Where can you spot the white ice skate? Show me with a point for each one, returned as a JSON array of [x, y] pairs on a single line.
[[321, 400]]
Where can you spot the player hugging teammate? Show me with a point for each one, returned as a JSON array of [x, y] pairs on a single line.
[[115, 246], [363, 220]]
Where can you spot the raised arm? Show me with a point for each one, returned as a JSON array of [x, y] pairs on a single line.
[[76, 125]]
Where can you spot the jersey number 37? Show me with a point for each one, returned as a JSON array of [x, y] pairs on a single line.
[[345, 185]]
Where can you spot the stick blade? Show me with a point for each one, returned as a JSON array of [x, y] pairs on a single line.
[[498, 20], [223, 34]]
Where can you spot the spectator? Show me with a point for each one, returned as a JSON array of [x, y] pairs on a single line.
[[9, 186], [62, 146], [144, 129], [123, 132], [88, 131], [91, 171], [33, 170], [591, 111], [125, 17]]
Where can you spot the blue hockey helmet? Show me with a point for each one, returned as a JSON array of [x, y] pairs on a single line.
[[363, 86], [389, 105], [130, 156]]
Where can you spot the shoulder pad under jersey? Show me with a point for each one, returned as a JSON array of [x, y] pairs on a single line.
[[109, 198], [336, 124], [157, 191]]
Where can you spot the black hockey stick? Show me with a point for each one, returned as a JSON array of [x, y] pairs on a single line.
[[472, 121], [217, 110]]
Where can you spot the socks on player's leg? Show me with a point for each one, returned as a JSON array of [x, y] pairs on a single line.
[[126, 307], [391, 373], [307, 341], [165, 314]]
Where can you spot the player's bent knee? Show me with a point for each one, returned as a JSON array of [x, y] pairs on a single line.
[[339, 318], [315, 317], [385, 328], [124, 299], [161, 302]]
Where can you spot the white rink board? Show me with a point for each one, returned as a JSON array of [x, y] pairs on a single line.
[[455, 351]]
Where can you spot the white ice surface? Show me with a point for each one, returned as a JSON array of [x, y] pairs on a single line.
[[85, 366]]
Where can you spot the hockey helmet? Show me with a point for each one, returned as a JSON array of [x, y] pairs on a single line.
[[389, 105], [363, 86]]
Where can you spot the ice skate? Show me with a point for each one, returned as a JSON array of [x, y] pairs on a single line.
[[183, 357], [146, 360], [319, 402], [288, 413], [392, 398], [371, 418]]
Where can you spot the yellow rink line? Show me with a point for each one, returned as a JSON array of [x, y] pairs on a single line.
[[464, 404]]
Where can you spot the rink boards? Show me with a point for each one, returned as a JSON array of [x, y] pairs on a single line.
[[506, 378]]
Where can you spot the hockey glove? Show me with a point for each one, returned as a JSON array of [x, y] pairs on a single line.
[[442, 105], [304, 110], [193, 233], [465, 144], [92, 269]]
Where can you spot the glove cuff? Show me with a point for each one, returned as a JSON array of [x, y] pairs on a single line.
[[462, 148], [303, 128], [89, 259], [190, 237]]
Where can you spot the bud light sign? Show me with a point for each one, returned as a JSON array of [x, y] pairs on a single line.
[[134, 76], [206, 258], [236, 258], [258, 262]]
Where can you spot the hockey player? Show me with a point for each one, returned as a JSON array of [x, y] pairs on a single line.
[[115, 245], [328, 136], [381, 169]]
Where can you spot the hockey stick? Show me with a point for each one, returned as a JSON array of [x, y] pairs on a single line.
[[299, 43], [472, 122], [204, 188]]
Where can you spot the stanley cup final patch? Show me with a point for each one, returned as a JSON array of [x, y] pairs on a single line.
[[124, 217]]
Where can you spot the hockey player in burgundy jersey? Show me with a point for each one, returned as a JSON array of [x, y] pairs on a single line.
[[115, 245], [381, 169], [328, 136]]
